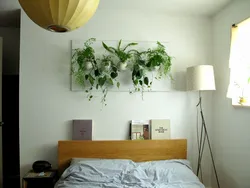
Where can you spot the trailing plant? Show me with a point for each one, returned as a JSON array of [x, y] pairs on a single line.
[[83, 60], [140, 77], [108, 76], [101, 73], [99, 76], [148, 62]]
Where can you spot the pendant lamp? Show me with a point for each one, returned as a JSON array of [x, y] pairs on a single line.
[[59, 15]]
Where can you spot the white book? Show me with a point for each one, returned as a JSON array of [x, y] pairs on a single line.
[[160, 129]]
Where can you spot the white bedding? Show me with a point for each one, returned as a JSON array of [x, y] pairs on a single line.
[[107, 173]]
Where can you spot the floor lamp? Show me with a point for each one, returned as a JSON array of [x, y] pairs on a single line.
[[201, 78]]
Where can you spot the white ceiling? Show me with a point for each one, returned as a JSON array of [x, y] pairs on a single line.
[[196, 7]]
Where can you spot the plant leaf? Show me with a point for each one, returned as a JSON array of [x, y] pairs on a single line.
[[113, 75], [107, 48], [114, 69], [130, 44], [136, 82], [101, 81], [114, 50], [118, 85], [110, 81], [148, 64], [146, 81], [86, 77], [160, 44], [248, 80], [141, 83], [119, 45], [139, 74], [134, 51], [141, 62], [91, 80], [97, 73]]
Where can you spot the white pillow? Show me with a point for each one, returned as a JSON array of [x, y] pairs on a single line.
[[77, 160]]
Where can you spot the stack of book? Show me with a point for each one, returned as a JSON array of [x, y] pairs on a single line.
[[155, 129]]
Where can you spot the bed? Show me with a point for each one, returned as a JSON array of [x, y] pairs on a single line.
[[115, 164]]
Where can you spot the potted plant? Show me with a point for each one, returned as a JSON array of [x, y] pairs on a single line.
[[149, 61], [242, 98], [89, 72], [159, 60], [83, 62], [121, 53], [140, 73], [123, 66]]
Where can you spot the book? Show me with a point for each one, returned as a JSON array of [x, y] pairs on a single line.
[[82, 130], [139, 130], [160, 129]]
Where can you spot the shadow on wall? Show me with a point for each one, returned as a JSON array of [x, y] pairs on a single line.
[[69, 129], [50, 154], [179, 82]]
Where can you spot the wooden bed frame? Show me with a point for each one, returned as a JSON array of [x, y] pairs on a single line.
[[136, 150]]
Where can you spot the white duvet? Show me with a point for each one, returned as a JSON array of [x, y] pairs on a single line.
[[125, 173]]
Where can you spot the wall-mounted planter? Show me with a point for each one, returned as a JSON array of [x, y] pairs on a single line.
[[100, 66]]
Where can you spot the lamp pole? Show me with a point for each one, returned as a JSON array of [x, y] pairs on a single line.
[[203, 137]]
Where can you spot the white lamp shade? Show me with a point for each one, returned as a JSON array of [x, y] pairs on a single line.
[[200, 78]]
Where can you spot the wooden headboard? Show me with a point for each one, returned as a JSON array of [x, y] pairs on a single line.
[[136, 150]]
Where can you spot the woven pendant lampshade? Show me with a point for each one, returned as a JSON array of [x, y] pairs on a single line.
[[59, 15]]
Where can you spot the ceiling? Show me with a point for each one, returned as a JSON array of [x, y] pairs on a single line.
[[194, 7], [8, 17]]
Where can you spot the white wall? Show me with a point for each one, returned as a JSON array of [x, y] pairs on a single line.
[[11, 48], [47, 105], [231, 125]]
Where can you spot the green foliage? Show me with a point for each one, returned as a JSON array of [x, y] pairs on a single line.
[[97, 76], [119, 52], [158, 57], [101, 73], [149, 61]]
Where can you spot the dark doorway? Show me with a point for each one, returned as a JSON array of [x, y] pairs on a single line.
[[10, 32], [10, 131]]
